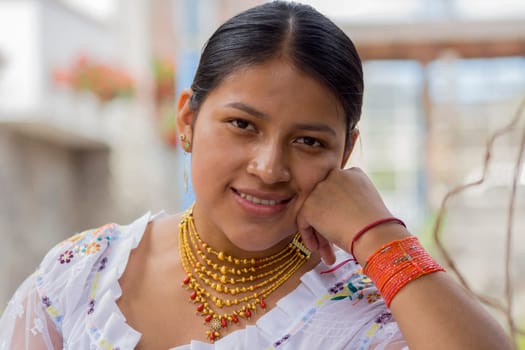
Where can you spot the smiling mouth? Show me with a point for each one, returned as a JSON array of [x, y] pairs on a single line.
[[260, 201]]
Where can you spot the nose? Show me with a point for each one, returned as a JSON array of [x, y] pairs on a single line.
[[269, 163]]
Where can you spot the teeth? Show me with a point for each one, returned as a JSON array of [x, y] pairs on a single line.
[[256, 200]]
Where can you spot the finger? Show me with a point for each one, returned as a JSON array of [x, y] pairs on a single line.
[[307, 234], [326, 250], [310, 239]]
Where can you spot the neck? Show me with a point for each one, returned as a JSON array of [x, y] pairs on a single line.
[[217, 239], [227, 286]]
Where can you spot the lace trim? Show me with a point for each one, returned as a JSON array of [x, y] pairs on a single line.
[[105, 323]]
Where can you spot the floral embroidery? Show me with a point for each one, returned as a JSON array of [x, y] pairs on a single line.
[[106, 233], [74, 239], [385, 318], [103, 263], [87, 242], [379, 325], [66, 257], [46, 301], [354, 286], [96, 333], [92, 248], [95, 244], [82, 244], [103, 343], [281, 341], [91, 306], [373, 297], [354, 289], [106, 345], [338, 287]]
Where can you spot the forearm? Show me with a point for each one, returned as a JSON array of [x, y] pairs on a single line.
[[433, 311]]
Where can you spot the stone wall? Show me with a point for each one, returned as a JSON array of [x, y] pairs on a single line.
[[47, 192]]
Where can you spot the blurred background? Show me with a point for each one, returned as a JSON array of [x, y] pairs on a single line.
[[87, 131]]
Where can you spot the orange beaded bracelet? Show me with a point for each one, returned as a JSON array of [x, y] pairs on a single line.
[[395, 264]]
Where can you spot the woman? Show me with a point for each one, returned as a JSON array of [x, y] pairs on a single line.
[[270, 121]]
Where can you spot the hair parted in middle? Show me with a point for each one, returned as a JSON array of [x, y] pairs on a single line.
[[294, 32]]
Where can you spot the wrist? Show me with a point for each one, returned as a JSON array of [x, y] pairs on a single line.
[[397, 263], [377, 237]]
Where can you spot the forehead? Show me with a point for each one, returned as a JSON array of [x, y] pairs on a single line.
[[278, 88]]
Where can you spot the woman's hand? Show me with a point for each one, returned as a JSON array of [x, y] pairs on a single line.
[[344, 203], [338, 207]]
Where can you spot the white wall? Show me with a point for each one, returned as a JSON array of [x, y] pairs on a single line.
[[21, 74]]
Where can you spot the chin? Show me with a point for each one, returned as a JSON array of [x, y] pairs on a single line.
[[248, 244], [254, 247]]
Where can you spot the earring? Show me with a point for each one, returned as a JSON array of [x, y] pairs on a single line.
[[186, 144], [186, 177]]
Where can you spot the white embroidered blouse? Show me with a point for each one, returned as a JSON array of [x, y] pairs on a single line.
[[69, 302]]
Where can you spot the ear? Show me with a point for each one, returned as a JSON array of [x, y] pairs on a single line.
[[354, 135], [185, 119]]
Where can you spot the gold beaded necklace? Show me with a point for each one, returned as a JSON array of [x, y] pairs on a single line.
[[218, 280]]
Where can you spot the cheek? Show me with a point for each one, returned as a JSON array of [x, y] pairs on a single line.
[[214, 159], [308, 174]]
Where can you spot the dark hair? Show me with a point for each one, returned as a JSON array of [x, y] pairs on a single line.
[[297, 32]]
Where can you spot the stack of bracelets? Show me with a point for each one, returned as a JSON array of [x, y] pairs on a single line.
[[395, 264]]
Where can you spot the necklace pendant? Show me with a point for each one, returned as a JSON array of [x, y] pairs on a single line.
[[215, 325]]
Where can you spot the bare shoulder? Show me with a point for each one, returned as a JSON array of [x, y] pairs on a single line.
[[157, 249], [162, 235]]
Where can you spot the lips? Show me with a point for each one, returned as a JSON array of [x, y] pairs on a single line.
[[262, 198]]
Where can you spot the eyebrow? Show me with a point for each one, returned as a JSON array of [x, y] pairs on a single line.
[[248, 109], [256, 113], [316, 127]]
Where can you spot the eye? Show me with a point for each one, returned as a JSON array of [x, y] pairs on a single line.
[[242, 124], [309, 141]]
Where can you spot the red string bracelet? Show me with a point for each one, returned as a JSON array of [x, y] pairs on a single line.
[[371, 226], [338, 266]]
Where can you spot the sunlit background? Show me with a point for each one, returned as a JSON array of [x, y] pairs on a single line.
[[87, 133]]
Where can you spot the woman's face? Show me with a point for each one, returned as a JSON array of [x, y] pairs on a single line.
[[262, 140]]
